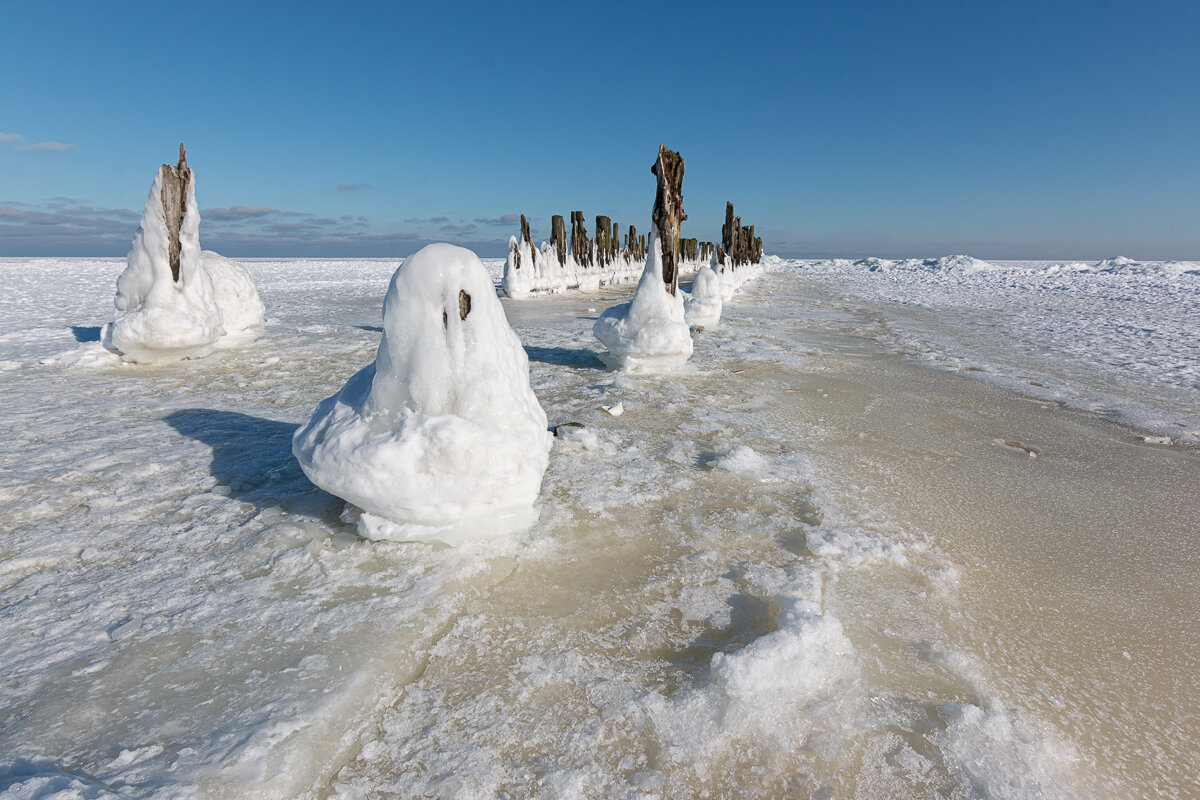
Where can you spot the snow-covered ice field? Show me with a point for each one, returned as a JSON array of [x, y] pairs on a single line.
[[890, 533]]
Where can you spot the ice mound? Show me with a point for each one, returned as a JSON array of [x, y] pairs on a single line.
[[237, 299], [702, 306], [1117, 264], [441, 438], [958, 263], [874, 264], [651, 331], [165, 314], [800, 683]]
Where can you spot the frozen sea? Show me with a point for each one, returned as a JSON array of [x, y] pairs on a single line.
[[899, 529]]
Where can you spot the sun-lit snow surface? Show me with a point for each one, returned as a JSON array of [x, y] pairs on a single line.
[[649, 332], [702, 303], [157, 317], [713, 601], [1116, 337], [441, 437]]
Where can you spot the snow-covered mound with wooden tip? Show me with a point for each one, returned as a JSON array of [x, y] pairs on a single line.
[[441, 438], [650, 332], [162, 316]]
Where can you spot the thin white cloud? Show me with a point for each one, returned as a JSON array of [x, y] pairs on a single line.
[[17, 142]]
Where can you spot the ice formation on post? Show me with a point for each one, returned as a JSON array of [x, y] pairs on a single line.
[[702, 305], [174, 301], [165, 304], [651, 331], [441, 438]]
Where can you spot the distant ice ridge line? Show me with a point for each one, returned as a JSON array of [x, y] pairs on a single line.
[[965, 264]]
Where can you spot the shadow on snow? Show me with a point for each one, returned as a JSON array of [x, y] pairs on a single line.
[[565, 357], [253, 457], [86, 333]]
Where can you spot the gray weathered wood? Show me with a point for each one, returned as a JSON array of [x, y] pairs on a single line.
[[175, 183]]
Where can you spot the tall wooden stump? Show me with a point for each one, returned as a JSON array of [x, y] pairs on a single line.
[[558, 238], [581, 245], [668, 212], [175, 183], [603, 245]]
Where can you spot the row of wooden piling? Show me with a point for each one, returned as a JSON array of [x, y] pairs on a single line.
[[738, 245]]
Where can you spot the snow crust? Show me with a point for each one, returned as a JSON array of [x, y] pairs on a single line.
[[702, 305], [650, 332], [441, 438], [158, 318]]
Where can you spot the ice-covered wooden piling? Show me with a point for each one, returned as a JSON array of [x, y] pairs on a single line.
[[650, 332], [173, 300]]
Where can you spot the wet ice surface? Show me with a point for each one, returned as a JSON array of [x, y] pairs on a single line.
[[720, 597], [1114, 339]]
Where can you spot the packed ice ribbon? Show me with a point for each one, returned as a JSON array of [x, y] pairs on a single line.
[[441, 438], [159, 317], [703, 304], [650, 331]]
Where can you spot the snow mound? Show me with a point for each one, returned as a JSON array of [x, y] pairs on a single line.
[[441, 438], [702, 306], [237, 299], [159, 318], [650, 332]]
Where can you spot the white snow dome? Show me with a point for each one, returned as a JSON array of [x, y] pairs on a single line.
[[441, 438], [649, 333], [703, 304], [163, 316], [237, 298]]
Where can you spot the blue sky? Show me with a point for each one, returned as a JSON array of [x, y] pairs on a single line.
[[1004, 130]]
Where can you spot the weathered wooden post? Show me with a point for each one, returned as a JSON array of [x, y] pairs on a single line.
[[668, 212], [603, 227], [527, 239], [175, 182], [558, 238], [614, 242], [581, 245]]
